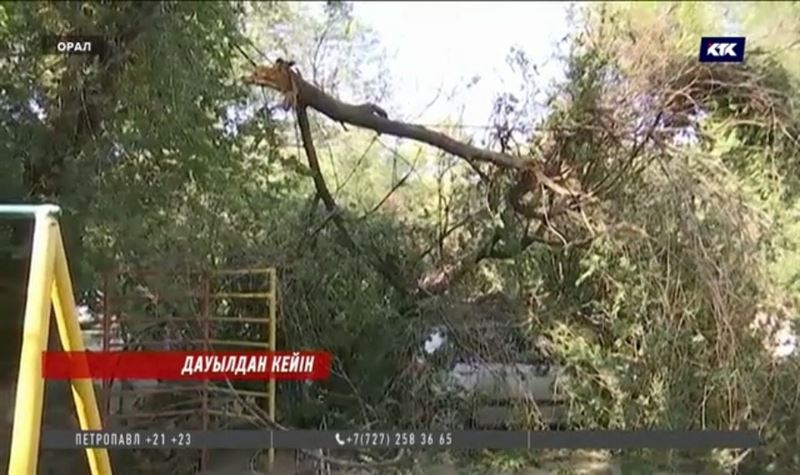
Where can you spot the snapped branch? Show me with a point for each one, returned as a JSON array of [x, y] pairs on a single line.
[[298, 94], [284, 79]]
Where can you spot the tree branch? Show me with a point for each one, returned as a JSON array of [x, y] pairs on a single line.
[[299, 94], [382, 265], [372, 117]]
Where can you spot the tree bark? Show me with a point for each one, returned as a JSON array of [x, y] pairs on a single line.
[[373, 117]]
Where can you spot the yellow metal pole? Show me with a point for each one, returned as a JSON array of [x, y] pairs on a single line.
[[25, 436], [71, 340], [273, 329]]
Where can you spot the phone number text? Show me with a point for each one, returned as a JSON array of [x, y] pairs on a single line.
[[396, 439]]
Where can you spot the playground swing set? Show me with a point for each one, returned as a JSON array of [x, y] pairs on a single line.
[[48, 284]]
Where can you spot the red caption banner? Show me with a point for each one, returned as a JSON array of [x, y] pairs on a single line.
[[194, 365]]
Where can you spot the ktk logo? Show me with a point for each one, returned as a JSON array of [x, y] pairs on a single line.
[[722, 50]]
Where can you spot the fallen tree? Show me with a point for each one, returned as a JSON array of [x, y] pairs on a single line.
[[299, 94]]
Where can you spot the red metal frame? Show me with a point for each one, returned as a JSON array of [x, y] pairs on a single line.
[[113, 308]]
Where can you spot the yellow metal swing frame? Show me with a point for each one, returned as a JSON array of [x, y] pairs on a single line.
[[48, 284]]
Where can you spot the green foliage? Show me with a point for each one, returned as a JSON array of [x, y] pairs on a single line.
[[333, 301], [652, 319]]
